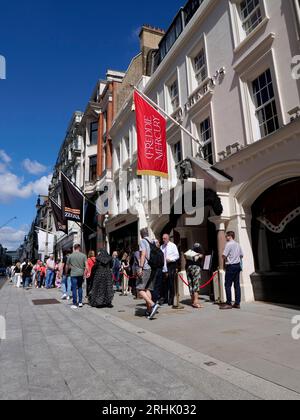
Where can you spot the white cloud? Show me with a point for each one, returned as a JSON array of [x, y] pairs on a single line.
[[41, 186], [3, 167], [34, 167], [11, 186], [11, 238], [4, 157]]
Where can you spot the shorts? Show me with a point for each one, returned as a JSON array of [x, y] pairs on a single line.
[[146, 282]]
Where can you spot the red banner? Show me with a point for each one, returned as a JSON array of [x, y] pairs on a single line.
[[152, 139]]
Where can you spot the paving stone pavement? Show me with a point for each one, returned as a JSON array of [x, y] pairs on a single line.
[[52, 352]]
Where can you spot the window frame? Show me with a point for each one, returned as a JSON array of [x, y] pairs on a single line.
[[170, 108], [209, 142], [92, 131], [263, 105], [296, 7], [93, 174], [251, 13], [240, 36], [205, 113], [193, 83], [265, 62], [177, 152]]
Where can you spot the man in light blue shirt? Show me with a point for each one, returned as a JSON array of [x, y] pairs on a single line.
[[232, 256]]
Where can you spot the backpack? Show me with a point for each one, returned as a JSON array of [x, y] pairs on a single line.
[[157, 258]]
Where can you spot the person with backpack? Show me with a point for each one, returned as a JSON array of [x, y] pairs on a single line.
[[145, 281], [171, 257]]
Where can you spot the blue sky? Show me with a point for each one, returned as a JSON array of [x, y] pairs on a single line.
[[55, 52]]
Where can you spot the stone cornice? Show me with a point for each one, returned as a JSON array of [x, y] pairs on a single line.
[[267, 144]]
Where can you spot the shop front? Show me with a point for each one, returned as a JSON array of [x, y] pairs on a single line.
[[276, 243], [123, 237]]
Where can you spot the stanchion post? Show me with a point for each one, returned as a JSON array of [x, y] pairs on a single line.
[[177, 295]]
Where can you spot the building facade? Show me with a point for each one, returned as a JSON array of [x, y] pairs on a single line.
[[224, 71], [69, 161]]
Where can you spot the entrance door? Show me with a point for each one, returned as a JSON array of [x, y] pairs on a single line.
[[276, 243]]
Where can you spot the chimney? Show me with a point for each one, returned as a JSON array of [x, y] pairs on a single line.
[[150, 38]]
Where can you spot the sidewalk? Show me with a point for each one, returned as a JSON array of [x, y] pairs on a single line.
[[52, 352], [257, 339]]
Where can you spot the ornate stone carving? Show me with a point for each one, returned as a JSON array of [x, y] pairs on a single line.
[[185, 170]]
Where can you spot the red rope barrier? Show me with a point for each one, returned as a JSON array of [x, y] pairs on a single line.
[[202, 287], [123, 274]]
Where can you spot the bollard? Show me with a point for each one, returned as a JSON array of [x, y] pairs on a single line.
[[177, 305]]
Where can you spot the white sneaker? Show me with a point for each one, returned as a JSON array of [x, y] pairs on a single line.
[[74, 307], [80, 305], [154, 312], [68, 298], [64, 297]]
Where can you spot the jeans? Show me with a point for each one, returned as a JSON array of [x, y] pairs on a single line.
[[66, 285], [116, 278], [233, 278], [49, 279], [77, 283], [26, 282]]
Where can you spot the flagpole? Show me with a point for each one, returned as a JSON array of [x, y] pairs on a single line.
[[168, 116]]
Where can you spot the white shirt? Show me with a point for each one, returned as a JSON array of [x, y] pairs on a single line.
[[171, 254], [233, 252], [50, 264]]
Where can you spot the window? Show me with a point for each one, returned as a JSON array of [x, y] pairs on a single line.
[[177, 152], [200, 66], [94, 134], [206, 139], [191, 8], [251, 15], [174, 95], [297, 11], [264, 99], [93, 168], [171, 36]]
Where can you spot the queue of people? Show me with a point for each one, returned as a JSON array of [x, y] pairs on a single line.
[[148, 273], [35, 274]]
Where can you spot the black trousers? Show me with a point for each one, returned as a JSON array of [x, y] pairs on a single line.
[[233, 273], [169, 284], [89, 285]]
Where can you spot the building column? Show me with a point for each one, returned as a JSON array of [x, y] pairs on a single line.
[[221, 224]]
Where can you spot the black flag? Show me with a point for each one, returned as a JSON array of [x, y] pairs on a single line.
[[72, 201], [60, 222]]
